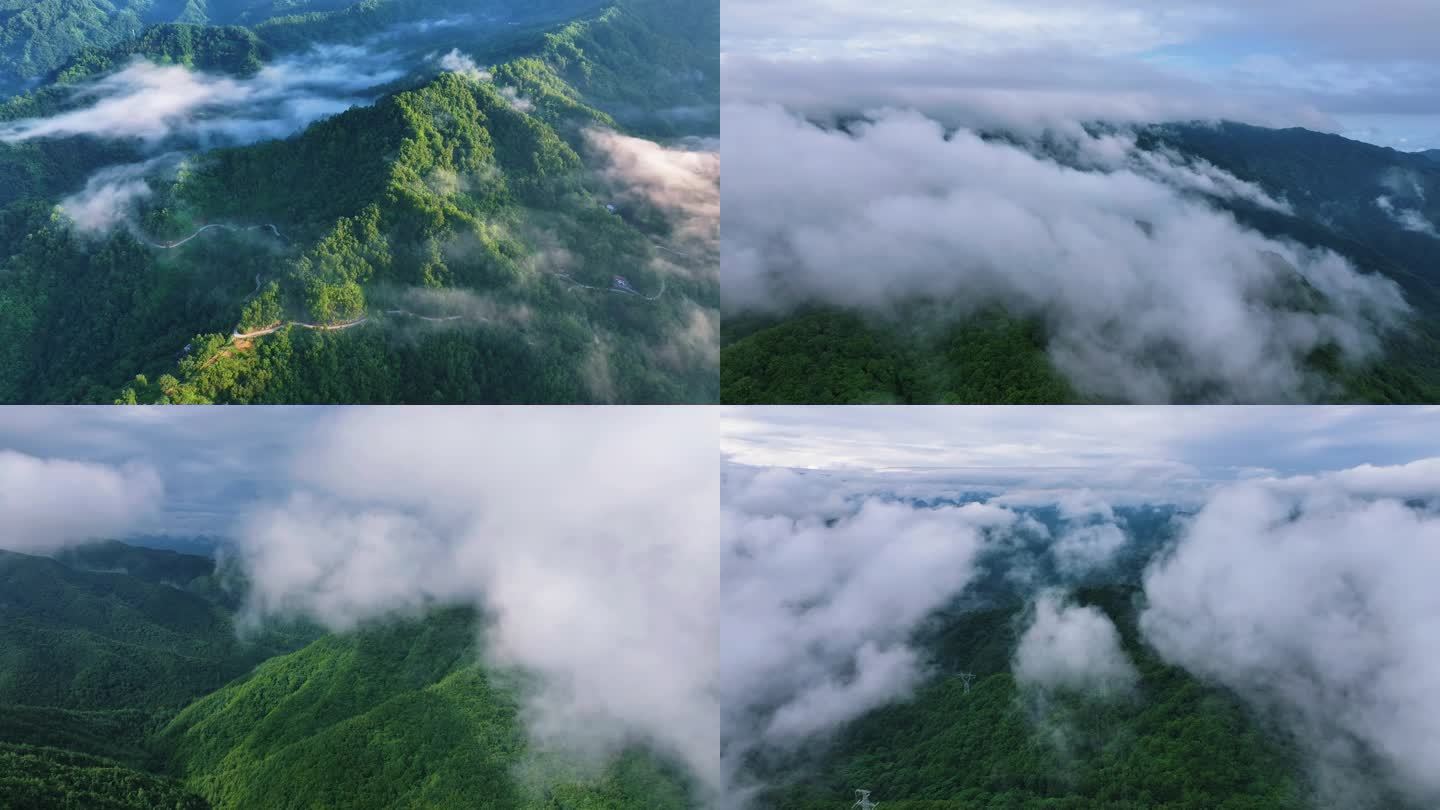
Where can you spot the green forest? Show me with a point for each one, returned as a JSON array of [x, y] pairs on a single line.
[[125, 684], [445, 244]]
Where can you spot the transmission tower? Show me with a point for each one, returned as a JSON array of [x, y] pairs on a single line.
[[967, 678], [863, 802]]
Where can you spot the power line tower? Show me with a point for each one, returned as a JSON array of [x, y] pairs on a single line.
[[863, 801], [967, 678]]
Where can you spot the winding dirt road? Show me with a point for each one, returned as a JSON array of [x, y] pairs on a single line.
[[574, 285], [176, 244], [319, 327]]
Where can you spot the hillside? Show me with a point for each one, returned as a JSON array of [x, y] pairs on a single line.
[[450, 243], [32, 777], [39, 36], [1367, 203], [398, 715], [126, 688], [1176, 743], [76, 638]]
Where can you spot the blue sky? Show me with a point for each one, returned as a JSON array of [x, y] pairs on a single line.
[[1369, 71]]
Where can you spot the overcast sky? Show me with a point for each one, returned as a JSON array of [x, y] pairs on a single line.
[[1148, 449], [213, 462], [1367, 70]]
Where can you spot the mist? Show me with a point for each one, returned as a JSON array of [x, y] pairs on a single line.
[[826, 579], [682, 180], [156, 104], [1148, 291], [588, 540], [47, 504], [112, 195], [1313, 597], [1408, 218], [1070, 647]]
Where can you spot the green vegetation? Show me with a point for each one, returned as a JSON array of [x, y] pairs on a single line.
[[637, 61], [828, 357], [446, 200], [32, 777], [89, 640], [130, 689], [394, 715], [1175, 744]]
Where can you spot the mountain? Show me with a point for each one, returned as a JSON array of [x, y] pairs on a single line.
[[39, 36], [1431, 154], [32, 777], [147, 633], [396, 715], [131, 688], [449, 243], [1177, 743], [1374, 206]]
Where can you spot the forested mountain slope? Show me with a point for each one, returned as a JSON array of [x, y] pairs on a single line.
[[397, 715], [1174, 743], [452, 242], [78, 638], [127, 688]]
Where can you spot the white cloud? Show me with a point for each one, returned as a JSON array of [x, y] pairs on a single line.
[[1148, 292], [47, 504], [1408, 218], [111, 195], [881, 675], [457, 62], [681, 179], [1318, 605], [820, 599], [153, 103], [587, 533], [1085, 548], [1075, 648], [1275, 64]]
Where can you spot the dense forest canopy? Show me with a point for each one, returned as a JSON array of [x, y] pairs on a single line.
[[466, 237], [125, 684]]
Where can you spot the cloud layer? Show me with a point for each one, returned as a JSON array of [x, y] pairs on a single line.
[[156, 103], [1314, 599], [1310, 596], [1149, 292], [47, 503], [1327, 65], [1069, 647]]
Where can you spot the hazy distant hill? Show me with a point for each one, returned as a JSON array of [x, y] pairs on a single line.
[[38, 36]]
